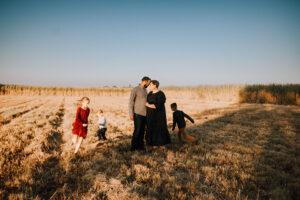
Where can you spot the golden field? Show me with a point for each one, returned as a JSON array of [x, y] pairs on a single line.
[[245, 151]]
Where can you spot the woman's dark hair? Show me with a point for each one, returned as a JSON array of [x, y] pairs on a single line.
[[155, 82], [173, 105]]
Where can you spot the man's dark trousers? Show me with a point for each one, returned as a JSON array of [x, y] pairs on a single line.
[[139, 132]]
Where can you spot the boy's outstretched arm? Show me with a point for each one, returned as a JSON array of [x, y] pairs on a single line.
[[191, 119]]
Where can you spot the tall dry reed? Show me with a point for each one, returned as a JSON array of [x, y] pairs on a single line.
[[285, 94]]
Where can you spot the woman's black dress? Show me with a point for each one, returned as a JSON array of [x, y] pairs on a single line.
[[157, 132]]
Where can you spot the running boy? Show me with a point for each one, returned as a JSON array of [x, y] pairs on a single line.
[[178, 118]]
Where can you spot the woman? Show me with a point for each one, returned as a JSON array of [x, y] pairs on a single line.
[[157, 132]]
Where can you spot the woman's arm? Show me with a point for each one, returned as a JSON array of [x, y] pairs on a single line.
[[150, 105], [160, 101]]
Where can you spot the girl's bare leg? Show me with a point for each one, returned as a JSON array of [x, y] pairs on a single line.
[[78, 144], [74, 139]]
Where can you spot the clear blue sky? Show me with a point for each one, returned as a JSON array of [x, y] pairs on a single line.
[[96, 43]]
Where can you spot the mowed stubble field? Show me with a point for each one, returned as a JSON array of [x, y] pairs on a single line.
[[245, 151]]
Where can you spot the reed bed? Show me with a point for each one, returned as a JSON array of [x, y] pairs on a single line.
[[219, 93], [287, 94], [61, 91], [213, 93]]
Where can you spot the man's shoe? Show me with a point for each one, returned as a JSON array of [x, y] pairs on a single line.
[[132, 149]]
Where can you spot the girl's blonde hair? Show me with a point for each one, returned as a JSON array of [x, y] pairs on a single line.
[[85, 99], [79, 102]]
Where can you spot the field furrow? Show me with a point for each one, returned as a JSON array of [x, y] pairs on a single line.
[[7, 116], [7, 109], [48, 174], [244, 151], [6, 102], [15, 105], [26, 133]]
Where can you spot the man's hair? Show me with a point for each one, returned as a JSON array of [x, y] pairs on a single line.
[[155, 82], [173, 105], [146, 78]]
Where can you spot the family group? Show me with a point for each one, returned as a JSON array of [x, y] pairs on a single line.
[[147, 111]]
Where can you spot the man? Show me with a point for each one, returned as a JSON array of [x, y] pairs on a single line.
[[137, 113]]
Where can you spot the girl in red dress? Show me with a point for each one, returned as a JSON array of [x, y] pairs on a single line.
[[81, 123]]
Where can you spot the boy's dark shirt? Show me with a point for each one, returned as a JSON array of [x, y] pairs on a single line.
[[178, 118]]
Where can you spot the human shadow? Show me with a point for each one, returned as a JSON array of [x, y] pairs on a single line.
[[250, 152], [49, 176], [277, 170], [270, 136], [54, 137]]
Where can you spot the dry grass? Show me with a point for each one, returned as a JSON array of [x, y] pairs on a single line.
[[61, 91], [206, 93], [245, 151], [288, 94]]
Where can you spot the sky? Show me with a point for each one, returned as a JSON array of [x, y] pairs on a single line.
[[181, 43]]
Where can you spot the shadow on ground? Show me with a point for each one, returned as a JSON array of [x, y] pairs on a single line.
[[247, 153]]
